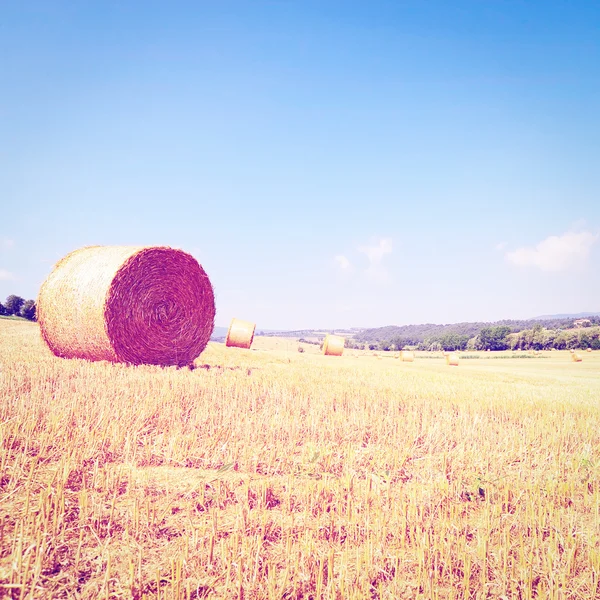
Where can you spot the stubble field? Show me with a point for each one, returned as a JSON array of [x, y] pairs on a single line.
[[270, 473]]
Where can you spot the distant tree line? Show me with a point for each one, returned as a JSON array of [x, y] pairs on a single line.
[[18, 307], [499, 337], [540, 338], [413, 335]]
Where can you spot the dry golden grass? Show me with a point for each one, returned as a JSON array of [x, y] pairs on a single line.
[[267, 473]]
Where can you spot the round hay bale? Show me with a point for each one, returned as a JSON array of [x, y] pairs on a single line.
[[575, 357], [333, 345], [406, 356], [131, 304], [589, 349], [452, 360], [240, 334]]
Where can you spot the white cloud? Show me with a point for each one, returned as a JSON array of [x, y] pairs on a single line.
[[557, 252], [375, 254], [343, 263], [378, 251], [6, 275], [6, 243]]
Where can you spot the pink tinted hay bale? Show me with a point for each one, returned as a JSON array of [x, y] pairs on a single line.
[[240, 333], [333, 345], [131, 304]]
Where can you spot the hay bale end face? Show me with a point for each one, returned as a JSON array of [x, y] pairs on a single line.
[[575, 357], [131, 304], [406, 356], [240, 334], [452, 360], [333, 345]]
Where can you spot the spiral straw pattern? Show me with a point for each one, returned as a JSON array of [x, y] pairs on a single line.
[[138, 305]]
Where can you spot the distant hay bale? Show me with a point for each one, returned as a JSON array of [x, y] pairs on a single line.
[[589, 349], [406, 356], [131, 304], [575, 357], [333, 345], [452, 360], [240, 334]]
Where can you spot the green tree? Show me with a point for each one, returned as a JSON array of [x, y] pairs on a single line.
[[494, 338], [28, 310], [2, 309], [585, 340], [13, 304], [454, 341]]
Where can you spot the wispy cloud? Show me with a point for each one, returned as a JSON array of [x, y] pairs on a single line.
[[6, 243], [375, 253], [6, 275], [342, 263], [501, 246], [557, 252]]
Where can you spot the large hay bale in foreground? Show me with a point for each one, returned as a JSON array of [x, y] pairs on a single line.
[[138, 305], [333, 345], [452, 360], [406, 356], [240, 333]]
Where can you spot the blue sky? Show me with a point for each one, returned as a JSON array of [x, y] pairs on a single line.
[[330, 164]]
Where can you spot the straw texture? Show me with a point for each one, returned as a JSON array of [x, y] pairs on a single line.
[[406, 356], [452, 360], [138, 305], [240, 333], [333, 345]]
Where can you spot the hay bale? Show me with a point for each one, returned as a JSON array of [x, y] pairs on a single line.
[[452, 360], [406, 356], [240, 333], [132, 304], [589, 349], [333, 345], [575, 357]]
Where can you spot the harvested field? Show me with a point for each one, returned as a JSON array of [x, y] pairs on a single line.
[[269, 473]]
